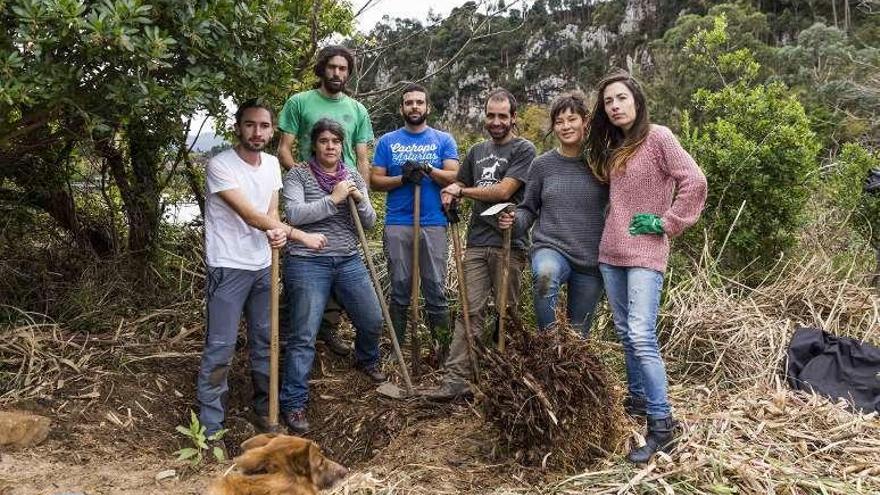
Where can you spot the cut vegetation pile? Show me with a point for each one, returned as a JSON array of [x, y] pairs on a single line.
[[552, 399]]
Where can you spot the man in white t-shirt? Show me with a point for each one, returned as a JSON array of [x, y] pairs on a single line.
[[241, 225]]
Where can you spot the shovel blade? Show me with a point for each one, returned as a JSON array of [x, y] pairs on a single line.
[[392, 391]]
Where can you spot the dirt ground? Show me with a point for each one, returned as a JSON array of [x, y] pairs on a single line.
[[115, 434]]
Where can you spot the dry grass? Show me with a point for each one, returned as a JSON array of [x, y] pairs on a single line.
[[744, 432], [731, 335]]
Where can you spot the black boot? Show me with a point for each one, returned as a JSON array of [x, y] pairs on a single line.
[[399, 319], [260, 413], [333, 341], [441, 335], [661, 437], [635, 406]]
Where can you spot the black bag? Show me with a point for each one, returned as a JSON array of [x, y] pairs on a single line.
[[834, 367]]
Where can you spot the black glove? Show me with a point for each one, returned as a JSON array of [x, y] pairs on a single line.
[[452, 213], [413, 172], [872, 181]]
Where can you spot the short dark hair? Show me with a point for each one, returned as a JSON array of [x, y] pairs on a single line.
[[329, 52], [501, 94], [253, 103], [411, 87], [327, 125]]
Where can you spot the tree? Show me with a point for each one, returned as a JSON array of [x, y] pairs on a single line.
[[837, 80], [845, 183], [116, 80], [755, 145]]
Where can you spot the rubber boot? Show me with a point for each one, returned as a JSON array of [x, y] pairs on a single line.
[[661, 437], [441, 336], [399, 319], [260, 414]]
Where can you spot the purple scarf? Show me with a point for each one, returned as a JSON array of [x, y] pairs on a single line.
[[328, 181]]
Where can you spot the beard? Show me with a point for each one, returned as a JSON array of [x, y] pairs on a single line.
[[334, 86], [499, 132], [415, 120], [252, 146]]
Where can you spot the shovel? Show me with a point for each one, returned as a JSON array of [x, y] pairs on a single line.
[[387, 389], [273, 344], [505, 270], [416, 280], [452, 215]]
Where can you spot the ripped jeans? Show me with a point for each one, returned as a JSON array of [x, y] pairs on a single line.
[[228, 293], [550, 270]]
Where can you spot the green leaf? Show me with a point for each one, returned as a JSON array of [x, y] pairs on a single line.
[[187, 453], [218, 454]]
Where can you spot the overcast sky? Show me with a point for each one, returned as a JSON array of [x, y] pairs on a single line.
[[413, 9]]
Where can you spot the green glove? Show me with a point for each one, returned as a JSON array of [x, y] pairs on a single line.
[[645, 223]]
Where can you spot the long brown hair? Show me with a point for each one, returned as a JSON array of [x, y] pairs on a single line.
[[609, 147]]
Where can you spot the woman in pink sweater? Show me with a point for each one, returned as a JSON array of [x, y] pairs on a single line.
[[656, 192]]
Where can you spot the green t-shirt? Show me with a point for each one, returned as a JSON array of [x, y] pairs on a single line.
[[303, 110]]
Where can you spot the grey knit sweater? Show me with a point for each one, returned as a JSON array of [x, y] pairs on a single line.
[[567, 205], [308, 208]]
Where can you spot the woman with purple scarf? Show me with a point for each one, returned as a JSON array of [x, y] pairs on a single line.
[[316, 201]]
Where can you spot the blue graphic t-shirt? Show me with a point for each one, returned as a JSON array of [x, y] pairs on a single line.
[[396, 148]]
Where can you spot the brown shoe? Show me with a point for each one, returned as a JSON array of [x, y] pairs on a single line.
[[296, 421], [448, 391], [374, 372]]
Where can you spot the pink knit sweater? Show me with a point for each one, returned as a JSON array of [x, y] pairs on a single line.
[[660, 178]]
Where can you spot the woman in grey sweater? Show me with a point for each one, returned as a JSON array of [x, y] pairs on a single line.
[[565, 205], [316, 201]]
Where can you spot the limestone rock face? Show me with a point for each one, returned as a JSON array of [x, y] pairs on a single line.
[[638, 13], [21, 429]]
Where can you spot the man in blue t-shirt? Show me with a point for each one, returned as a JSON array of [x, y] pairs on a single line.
[[416, 153]]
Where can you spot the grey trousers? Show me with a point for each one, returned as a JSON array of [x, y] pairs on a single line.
[[229, 292], [482, 278], [398, 240]]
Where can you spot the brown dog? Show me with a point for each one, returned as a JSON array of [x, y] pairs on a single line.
[[279, 464]]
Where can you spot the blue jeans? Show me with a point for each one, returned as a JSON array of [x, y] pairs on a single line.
[[634, 296], [309, 281], [550, 269]]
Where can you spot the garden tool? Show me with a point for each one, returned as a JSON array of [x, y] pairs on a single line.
[[505, 268], [416, 279], [388, 389], [454, 219], [273, 343]]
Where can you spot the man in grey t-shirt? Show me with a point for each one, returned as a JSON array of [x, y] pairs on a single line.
[[494, 171]]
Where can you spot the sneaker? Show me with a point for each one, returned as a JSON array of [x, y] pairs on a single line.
[[296, 421], [448, 391], [374, 372], [336, 345]]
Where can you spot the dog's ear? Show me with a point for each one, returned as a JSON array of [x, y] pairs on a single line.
[[258, 441], [253, 460], [296, 457]]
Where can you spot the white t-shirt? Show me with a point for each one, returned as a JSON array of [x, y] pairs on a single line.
[[229, 241]]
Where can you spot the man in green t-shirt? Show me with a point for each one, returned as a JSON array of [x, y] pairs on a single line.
[[328, 100], [299, 115]]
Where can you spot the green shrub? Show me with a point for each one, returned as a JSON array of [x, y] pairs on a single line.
[[759, 155], [845, 184]]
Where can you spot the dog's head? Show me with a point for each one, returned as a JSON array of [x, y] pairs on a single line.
[[290, 455]]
